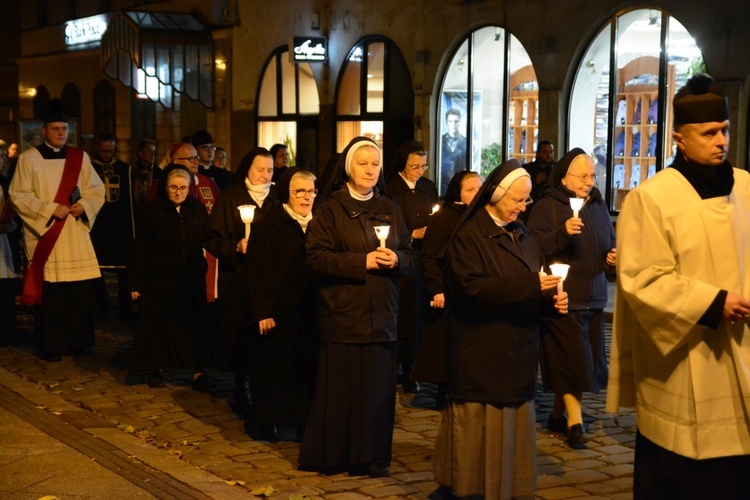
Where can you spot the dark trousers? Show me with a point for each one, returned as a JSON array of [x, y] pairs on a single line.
[[124, 301], [662, 474]]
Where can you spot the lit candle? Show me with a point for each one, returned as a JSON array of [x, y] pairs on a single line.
[[560, 270], [382, 233], [435, 208], [576, 204], [247, 214]]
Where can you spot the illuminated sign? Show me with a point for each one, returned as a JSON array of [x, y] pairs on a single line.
[[88, 29], [309, 49]]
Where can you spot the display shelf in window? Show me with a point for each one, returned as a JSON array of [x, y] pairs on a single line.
[[523, 115], [636, 123]]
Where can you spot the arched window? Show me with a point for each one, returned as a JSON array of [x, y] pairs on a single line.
[[41, 101], [288, 107], [374, 96], [71, 100], [624, 117], [104, 108], [500, 119]]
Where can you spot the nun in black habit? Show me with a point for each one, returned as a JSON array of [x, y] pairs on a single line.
[[251, 186], [350, 426], [285, 327], [417, 197], [494, 293]]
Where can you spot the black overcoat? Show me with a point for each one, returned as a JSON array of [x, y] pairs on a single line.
[[493, 296], [281, 287], [357, 305], [586, 253], [168, 269]]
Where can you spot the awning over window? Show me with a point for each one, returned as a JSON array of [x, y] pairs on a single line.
[[158, 54]]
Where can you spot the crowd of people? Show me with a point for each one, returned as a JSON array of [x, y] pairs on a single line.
[[322, 295]]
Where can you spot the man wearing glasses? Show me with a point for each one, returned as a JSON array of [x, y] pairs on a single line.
[[206, 150]]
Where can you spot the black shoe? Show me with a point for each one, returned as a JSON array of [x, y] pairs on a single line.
[[557, 425], [378, 471], [268, 433], [155, 380], [242, 402], [410, 385], [203, 384], [577, 438], [51, 357]]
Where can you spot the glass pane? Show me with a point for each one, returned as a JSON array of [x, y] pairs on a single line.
[[488, 60], [346, 131], [309, 103], [162, 63], [178, 67], [523, 105], [191, 71], [206, 75], [348, 97], [267, 99], [684, 59], [589, 105], [148, 58], [453, 107], [288, 85], [270, 133], [375, 76], [637, 84]]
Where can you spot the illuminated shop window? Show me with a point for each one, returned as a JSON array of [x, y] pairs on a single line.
[[374, 97], [500, 119], [288, 107], [623, 118]]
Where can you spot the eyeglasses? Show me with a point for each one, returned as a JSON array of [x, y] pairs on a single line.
[[207, 147], [522, 203], [584, 177], [301, 193], [175, 189], [418, 167], [191, 159]]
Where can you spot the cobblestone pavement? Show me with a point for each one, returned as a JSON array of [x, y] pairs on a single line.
[[202, 431]]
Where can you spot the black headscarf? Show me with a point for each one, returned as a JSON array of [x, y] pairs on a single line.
[[484, 196], [244, 166], [162, 188], [402, 156], [339, 176], [453, 193], [560, 170], [282, 185]]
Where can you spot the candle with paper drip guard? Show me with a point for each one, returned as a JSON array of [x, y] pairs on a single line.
[[576, 204], [382, 233], [560, 270], [247, 214]]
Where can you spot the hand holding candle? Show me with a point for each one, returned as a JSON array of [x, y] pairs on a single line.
[[576, 204], [560, 270], [247, 214]]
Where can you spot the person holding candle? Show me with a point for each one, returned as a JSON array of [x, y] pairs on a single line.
[[494, 292], [417, 197], [430, 366], [251, 186], [351, 420], [167, 276], [283, 309], [573, 358]]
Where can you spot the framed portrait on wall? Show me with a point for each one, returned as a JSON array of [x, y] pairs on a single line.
[[453, 131], [30, 133]]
